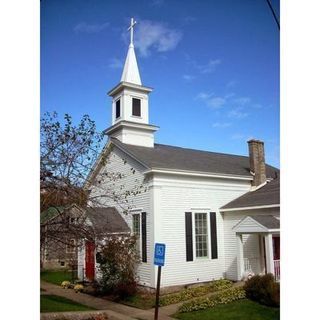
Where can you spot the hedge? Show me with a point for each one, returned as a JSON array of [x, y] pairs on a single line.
[[190, 293], [222, 297]]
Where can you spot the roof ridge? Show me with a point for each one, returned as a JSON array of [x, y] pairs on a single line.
[[199, 150]]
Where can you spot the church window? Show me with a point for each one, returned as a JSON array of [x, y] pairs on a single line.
[[71, 246], [136, 107], [201, 235], [118, 111], [136, 229]]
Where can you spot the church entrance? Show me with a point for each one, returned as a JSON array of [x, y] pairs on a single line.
[[90, 263]]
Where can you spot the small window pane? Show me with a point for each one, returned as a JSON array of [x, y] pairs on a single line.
[[136, 107], [136, 224], [118, 109]]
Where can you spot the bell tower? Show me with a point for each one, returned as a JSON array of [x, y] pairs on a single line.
[[130, 104]]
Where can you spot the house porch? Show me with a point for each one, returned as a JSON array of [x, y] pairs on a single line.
[[258, 246]]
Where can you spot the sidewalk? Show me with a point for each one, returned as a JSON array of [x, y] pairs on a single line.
[[102, 304]]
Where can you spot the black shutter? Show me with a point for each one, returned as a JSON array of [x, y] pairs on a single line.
[[189, 249], [213, 228], [144, 236]]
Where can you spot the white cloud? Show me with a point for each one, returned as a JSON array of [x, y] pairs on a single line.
[[188, 20], [231, 84], [90, 28], [242, 101], [204, 95], [115, 63], [157, 3], [237, 113], [188, 77], [211, 100], [241, 136], [216, 102], [238, 136], [209, 67], [151, 35], [221, 124]]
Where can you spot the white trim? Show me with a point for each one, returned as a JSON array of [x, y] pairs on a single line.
[[255, 222], [194, 244], [197, 173], [255, 188], [140, 231], [130, 124], [124, 84], [258, 224], [135, 210], [251, 208]]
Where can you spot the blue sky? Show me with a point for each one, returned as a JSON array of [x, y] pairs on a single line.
[[214, 67]]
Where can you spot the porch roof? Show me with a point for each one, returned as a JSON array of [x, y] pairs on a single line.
[[258, 224], [268, 195], [106, 220]]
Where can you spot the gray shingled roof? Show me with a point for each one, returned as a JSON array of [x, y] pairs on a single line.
[[268, 221], [177, 158], [269, 194], [106, 220]]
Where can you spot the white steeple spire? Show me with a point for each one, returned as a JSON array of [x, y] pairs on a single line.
[[130, 105], [130, 71]]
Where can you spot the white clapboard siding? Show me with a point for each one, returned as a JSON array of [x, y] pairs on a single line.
[[141, 201], [81, 260], [177, 195], [251, 243]]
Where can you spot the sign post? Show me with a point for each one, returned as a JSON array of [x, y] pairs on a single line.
[[159, 255]]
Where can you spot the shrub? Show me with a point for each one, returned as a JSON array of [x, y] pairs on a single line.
[[118, 259], [194, 292], [263, 289], [78, 287], [222, 297], [65, 284]]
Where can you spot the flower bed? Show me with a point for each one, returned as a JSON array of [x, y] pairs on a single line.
[[190, 293], [222, 297]]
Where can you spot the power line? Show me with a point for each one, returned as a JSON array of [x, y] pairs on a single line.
[[274, 14]]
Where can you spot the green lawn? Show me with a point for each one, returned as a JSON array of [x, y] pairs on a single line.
[[145, 301], [56, 277], [52, 303], [238, 310]]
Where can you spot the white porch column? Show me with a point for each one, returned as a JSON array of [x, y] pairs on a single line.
[[269, 253], [240, 263]]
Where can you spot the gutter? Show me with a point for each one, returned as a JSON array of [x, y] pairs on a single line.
[[250, 208], [197, 173]]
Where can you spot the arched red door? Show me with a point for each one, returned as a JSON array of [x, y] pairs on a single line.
[[90, 248]]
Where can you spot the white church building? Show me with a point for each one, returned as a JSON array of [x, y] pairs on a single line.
[[218, 214]]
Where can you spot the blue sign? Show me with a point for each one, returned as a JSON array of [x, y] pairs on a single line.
[[159, 254]]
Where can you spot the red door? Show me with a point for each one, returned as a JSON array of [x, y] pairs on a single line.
[[276, 248], [90, 260]]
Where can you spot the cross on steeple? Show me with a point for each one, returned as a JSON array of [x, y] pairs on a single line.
[[132, 24]]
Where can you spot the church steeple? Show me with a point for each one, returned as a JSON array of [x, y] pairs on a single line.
[[130, 104], [130, 71]]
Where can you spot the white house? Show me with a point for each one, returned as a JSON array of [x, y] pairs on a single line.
[[218, 214]]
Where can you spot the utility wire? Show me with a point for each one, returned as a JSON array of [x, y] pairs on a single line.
[[274, 14]]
